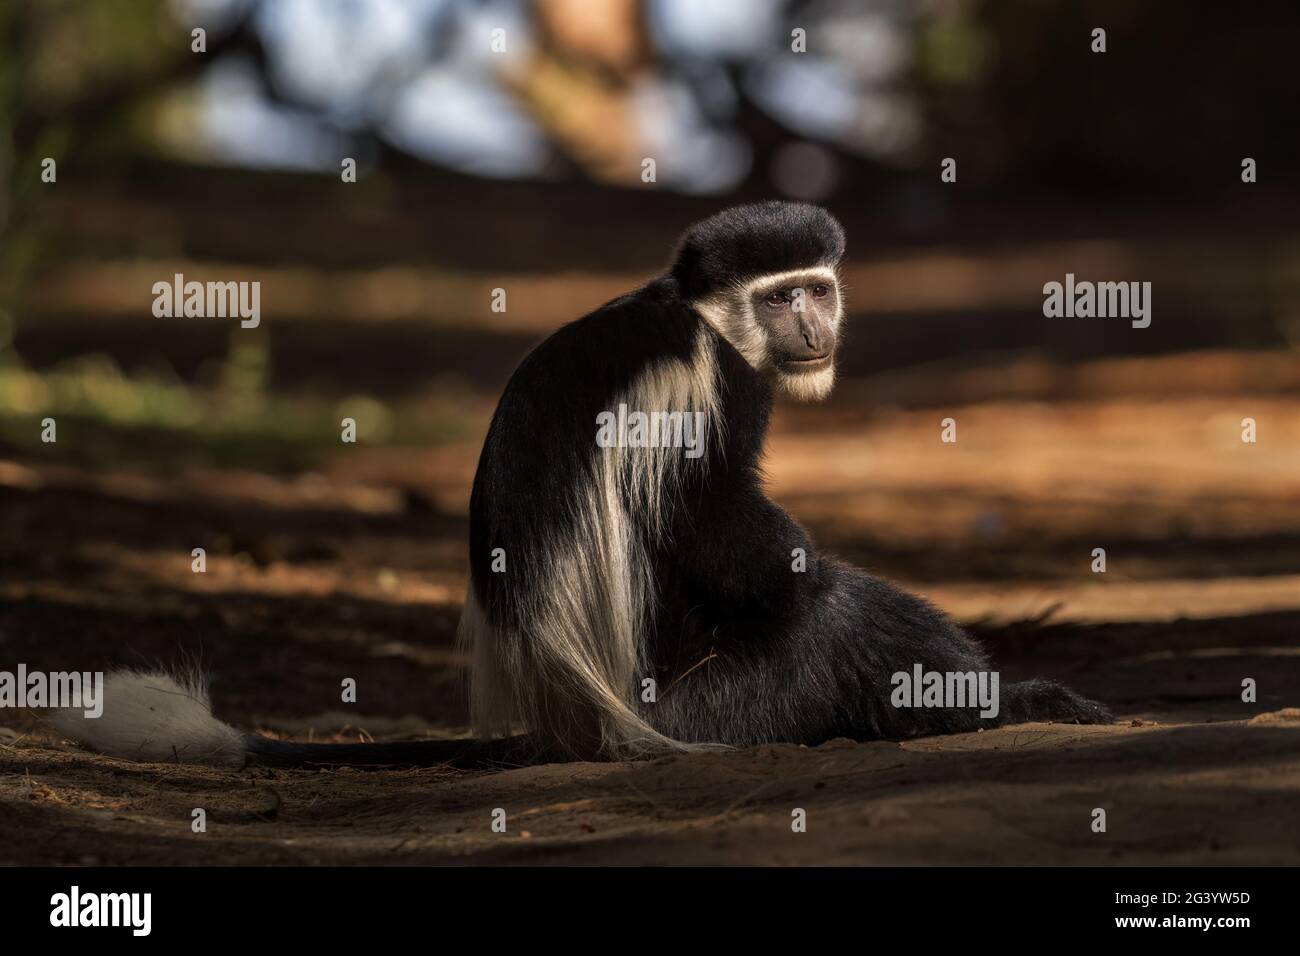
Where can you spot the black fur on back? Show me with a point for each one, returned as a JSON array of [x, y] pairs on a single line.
[[540, 444]]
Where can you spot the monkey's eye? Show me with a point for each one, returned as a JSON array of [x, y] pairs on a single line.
[[820, 291], [776, 299]]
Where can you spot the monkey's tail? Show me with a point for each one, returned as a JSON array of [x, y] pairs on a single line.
[[157, 717]]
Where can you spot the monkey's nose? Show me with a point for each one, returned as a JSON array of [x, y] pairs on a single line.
[[815, 339]]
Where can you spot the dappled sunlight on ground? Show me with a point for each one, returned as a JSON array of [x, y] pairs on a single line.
[[357, 568]]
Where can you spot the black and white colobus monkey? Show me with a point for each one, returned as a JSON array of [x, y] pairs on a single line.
[[599, 566]]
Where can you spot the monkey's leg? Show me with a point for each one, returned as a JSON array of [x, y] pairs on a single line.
[[1045, 700], [763, 639], [755, 651], [819, 669], [832, 677]]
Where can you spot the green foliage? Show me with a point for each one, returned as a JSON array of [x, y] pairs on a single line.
[[154, 418]]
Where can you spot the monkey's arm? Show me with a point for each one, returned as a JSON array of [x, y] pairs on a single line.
[[741, 550], [765, 640]]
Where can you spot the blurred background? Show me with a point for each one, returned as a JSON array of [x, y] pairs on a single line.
[[520, 166]]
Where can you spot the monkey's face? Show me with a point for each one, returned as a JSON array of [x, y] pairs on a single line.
[[799, 317], [785, 324]]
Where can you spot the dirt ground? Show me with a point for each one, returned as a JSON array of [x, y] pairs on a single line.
[[359, 570]]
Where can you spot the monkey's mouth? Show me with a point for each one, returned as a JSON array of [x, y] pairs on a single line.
[[807, 365]]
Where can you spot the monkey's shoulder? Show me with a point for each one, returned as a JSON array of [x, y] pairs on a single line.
[[603, 351]]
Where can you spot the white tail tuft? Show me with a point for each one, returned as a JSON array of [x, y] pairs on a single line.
[[154, 717]]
